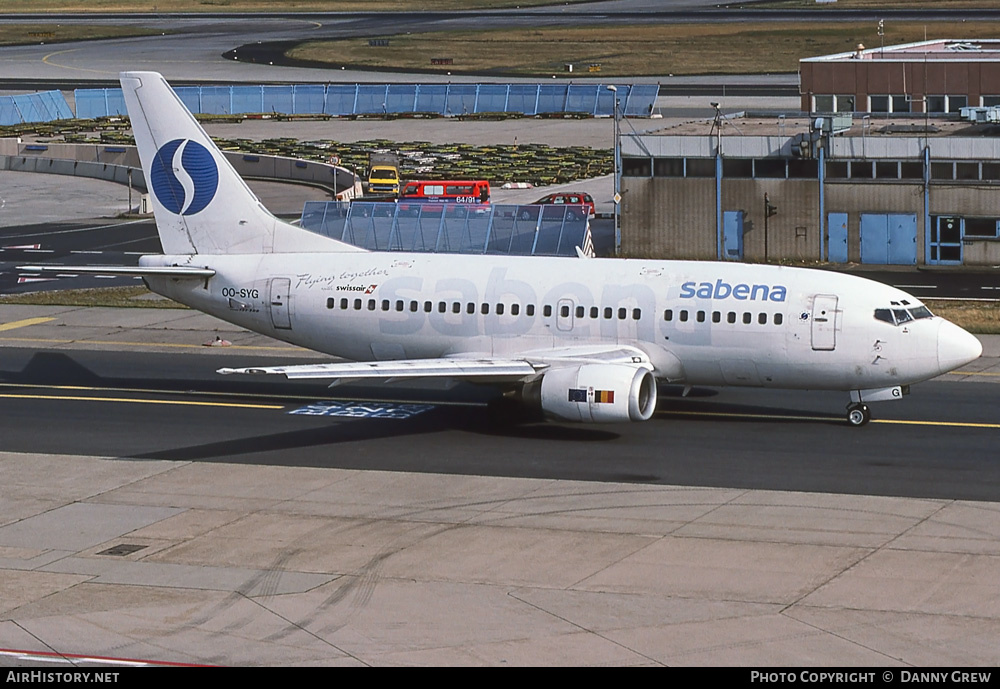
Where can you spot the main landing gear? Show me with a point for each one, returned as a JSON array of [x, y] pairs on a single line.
[[858, 414]]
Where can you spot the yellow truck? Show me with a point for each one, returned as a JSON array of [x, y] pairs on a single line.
[[383, 175]]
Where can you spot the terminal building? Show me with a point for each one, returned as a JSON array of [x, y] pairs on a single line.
[[939, 76], [884, 184]]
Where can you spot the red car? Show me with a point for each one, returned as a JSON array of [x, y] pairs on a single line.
[[570, 198]]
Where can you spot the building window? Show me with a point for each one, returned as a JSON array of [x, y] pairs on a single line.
[[878, 103], [843, 103], [967, 171], [942, 171], [936, 104], [861, 169], [908, 170], [823, 103], [769, 168], [887, 170], [701, 167], [803, 169], [900, 104], [836, 169], [636, 167], [985, 228], [737, 167], [956, 103], [668, 167]]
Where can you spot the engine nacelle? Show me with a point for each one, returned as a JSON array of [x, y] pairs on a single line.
[[597, 393]]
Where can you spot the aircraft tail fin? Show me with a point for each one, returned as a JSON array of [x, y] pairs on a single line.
[[201, 204]]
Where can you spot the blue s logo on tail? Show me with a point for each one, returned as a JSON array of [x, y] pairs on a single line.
[[184, 176]]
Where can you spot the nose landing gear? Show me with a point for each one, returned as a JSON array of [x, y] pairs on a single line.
[[858, 414]]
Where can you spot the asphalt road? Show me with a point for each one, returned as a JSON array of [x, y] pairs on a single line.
[[933, 444]]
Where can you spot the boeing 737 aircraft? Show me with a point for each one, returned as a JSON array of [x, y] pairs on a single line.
[[580, 339]]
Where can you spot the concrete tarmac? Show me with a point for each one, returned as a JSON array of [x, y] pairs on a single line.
[[207, 563]]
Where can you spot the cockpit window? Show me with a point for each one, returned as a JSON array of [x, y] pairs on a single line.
[[885, 315], [900, 316]]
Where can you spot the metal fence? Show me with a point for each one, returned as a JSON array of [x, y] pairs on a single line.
[[395, 99], [34, 107], [453, 228]]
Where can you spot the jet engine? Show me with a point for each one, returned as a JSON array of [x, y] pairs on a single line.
[[595, 393]]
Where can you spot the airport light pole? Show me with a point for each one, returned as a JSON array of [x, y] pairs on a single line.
[[618, 163]]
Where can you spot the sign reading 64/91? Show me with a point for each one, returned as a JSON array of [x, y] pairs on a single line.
[[242, 293]]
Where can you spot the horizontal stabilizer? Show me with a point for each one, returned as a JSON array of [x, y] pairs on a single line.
[[140, 271]]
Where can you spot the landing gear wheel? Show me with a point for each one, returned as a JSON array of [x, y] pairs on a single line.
[[858, 414]]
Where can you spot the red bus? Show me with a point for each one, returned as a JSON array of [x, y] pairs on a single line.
[[474, 192]]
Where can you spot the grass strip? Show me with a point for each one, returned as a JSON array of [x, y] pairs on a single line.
[[623, 51]]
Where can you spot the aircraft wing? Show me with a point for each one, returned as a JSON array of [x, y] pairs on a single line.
[[493, 370], [466, 367]]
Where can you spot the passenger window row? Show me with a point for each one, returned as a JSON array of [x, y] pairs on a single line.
[[514, 309], [747, 318]]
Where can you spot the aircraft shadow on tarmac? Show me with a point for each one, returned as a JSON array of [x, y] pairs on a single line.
[[492, 417]]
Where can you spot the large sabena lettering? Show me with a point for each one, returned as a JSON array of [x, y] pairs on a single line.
[[740, 291]]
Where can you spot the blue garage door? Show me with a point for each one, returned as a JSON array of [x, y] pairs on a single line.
[[836, 224], [888, 239], [732, 235]]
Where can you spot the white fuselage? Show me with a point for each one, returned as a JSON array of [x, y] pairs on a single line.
[[699, 323]]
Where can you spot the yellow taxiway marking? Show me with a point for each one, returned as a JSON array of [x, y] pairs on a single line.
[[47, 60], [251, 395], [137, 344], [956, 424], [789, 417], [25, 323], [136, 400], [153, 391]]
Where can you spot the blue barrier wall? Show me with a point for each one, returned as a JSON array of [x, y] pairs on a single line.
[[34, 107], [368, 99]]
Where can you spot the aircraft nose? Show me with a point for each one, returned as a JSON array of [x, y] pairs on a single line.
[[956, 347]]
